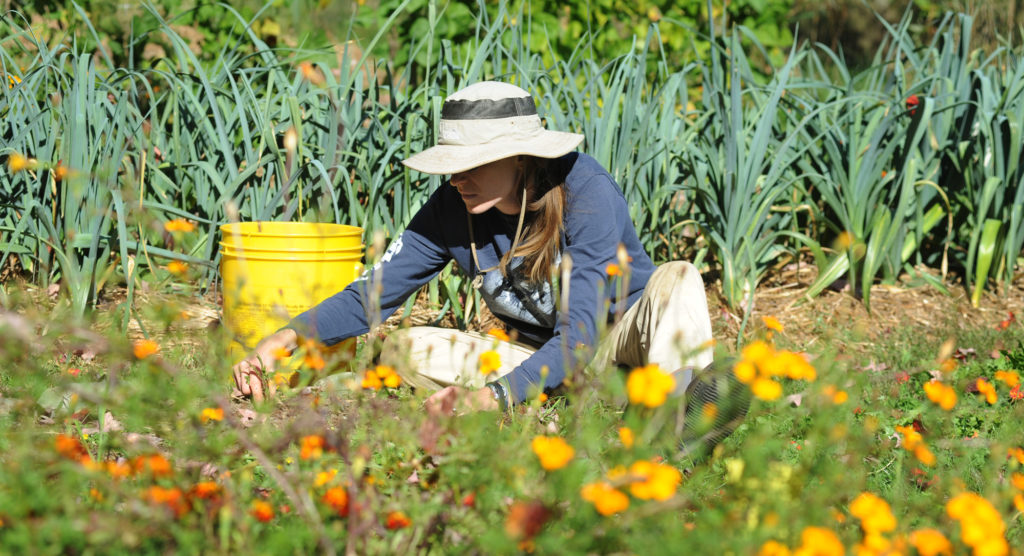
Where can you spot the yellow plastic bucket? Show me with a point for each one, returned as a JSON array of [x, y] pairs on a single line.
[[272, 271]]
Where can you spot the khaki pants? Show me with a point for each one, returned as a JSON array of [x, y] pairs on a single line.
[[669, 325]]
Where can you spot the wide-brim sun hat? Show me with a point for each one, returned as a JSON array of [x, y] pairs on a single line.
[[489, 121]]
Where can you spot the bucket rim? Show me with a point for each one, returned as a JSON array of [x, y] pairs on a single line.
[[301, 257], [234, 247], [325, 229]]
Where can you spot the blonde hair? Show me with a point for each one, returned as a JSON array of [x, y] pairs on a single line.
[[542, 236]]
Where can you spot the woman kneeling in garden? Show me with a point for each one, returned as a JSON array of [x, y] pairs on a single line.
[[522, 205]]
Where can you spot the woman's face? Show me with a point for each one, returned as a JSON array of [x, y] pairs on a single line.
[[491, 185]]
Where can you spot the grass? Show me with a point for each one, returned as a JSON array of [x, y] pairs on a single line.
[[473, 483]]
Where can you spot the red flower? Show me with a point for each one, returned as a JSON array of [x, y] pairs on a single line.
[[397, 520], [1005, 323], [1016, 393], [469, 500], [912, 102]]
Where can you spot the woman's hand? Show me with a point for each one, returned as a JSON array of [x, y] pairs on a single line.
[[452, 399], [250, 373]]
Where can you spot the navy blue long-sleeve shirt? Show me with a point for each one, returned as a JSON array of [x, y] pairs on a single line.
[[596, 221]]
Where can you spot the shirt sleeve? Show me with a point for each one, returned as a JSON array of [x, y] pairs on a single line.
[[411, 260], [596, 215]]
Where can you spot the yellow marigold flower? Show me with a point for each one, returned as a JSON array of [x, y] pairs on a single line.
[[844, 241], [745, 371], [649, 385], [211, 414], [499, 334], [179, 225], [931, 542], [818, 541], [388, 376], [490, 362], [1018, 502], [981, 526], [145, 348], [1010, 378], [772, 323], [613, 270], [773, 548], [795, 366], [371, 381], [941, 394], [552, 451], [177, 268], [837, 396], [874, 513], [607, 500], [874, 544], [655, 481], [948, 365], [626, 437], [986, 389], [281, 353], [324, 477], [12, 80], [1017, 480], [312, 446], [757, 352], [766, 389], [16, 162]]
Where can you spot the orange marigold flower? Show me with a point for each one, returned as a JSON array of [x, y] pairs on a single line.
[[179, 225], [154, 464], [1017, 480], [626, 437], [649, 385], [61, 172], [74, 371], [772, 323], [171, 498], [313, 360], [773, 548], [981, 525], [177, 268], [371, 381], [766, 389], [552, 451], [490, 362], [309, 73], [654, 481], [941, 394], [211, 414], [388, 376], [207, 490], [499, 334], [397, 520], [281, 353], [874, 513], [312, 446], [71, 448], [324, 477], [337, 499], [1018, 454], [1018, 502], [931, 542], [119, 469], [145, 348], [818, 541], [262, 510], [607, 500], [613, 270], [1010, 378], [986, 389], [837, 396]]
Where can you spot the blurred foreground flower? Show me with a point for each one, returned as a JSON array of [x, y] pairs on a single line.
[[649, 385], [16, 162], [71, 448], [552, 451], [913, 442], [772, 323], [179, 225], [498, 334], [172, 498], [654, 481], [818, 541], [760, 364], [324, 477], [397, 520], [145, 348], [312, 446], [773, 548], [981, 526], [154, 464], [607, 500], [985, 388], [490, 362], [379, 377], [874, 513], [931, 542], [177, 268], [211, 414], [337, 499], [262, 510], [1010, 378], [626, 437], [941, 394]]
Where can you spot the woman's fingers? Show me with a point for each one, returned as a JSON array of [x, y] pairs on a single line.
[[256, 385]]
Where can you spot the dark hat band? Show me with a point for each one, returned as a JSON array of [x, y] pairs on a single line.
[[488, 109]]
